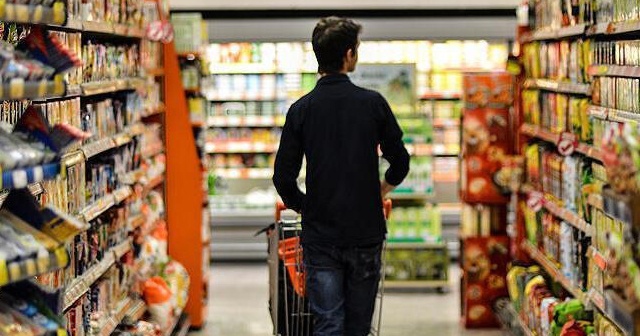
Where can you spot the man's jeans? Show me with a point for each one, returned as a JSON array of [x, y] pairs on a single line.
[[342, 284]]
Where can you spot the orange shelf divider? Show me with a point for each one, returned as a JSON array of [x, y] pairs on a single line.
[[184, 192]]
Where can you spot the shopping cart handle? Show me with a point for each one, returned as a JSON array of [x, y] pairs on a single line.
[[386, 206], [280, 207]]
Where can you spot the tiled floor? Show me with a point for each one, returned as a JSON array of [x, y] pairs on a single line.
[[238, 307]]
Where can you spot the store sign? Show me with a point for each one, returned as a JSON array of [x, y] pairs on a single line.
[[567, 143], [535, 201], [160, 30], [396, 83]]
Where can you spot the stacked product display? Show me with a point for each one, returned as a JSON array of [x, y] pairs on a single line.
[[576, 210], [82, 223], [252, 85], [484, 188]]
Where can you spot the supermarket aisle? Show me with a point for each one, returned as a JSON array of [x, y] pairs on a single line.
[[238, 307]]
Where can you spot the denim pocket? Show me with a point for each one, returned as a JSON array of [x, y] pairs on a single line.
[[368, 261]]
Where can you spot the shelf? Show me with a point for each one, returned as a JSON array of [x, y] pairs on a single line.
[[107, 143], [122, 194], [614, 70], [30, 15], [104, 203], [570, 217], [18, 88], [596, 200], [95, 209], [110, 86], [432, 150], [72, 158], [25, 269], [614, 28], [430, 246], [81, 284], [442, 95], [154, 72], [245, 173], [242, 68], [445, 122], [240, 147], [153, 183], [97, 147], [113, 321], [410, 196], [92, 27], [22, 177], [246, 121], [557, 86], [415, 284], [137, 310], [612, 114], [548, 34], [243, 97], [542, 134], [137, 221], [554, 272], [153, 111]]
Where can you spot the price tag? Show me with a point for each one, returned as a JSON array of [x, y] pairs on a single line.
[[567, 143], [535, 201]]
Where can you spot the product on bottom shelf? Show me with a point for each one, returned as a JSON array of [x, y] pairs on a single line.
[[543, 312], [484, 265], [418, 264]]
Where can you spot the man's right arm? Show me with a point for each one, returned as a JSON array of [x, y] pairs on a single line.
[[288, 164], [393, 150]]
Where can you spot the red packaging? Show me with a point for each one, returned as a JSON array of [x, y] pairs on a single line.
[[484, 263], [486, 146], [487, 89]]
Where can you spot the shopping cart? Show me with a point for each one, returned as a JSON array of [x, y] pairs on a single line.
[[290, 312]]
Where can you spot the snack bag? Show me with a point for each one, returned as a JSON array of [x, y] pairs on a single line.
[[178, 281], [157, 295]]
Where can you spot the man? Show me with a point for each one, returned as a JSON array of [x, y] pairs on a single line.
[[339, 127]]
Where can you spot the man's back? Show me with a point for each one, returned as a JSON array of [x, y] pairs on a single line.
[[338, 127]]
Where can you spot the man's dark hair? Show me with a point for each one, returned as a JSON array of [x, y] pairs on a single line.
[[332, 37]]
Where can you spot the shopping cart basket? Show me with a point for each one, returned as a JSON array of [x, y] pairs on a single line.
[[290, 312]]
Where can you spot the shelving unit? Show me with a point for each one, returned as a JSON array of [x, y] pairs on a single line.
[[75, 184], [589, 123]]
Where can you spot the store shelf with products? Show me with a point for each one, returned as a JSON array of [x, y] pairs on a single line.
[[554, 138], [553, 34], [113, 148], [82, 284], [603, 128], [553, 271], [558, 86]]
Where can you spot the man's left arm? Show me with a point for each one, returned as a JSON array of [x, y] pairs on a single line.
[[288, 164]]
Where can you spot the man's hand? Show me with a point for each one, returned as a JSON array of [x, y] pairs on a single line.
[[385, 188]]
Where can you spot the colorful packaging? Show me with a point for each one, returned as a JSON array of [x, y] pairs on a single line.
[[485, 145]]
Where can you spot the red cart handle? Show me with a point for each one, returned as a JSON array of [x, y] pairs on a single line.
[[386, 207], [280, 207]]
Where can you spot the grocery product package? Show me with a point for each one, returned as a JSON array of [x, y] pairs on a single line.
[[485, 147], [484, 263]]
